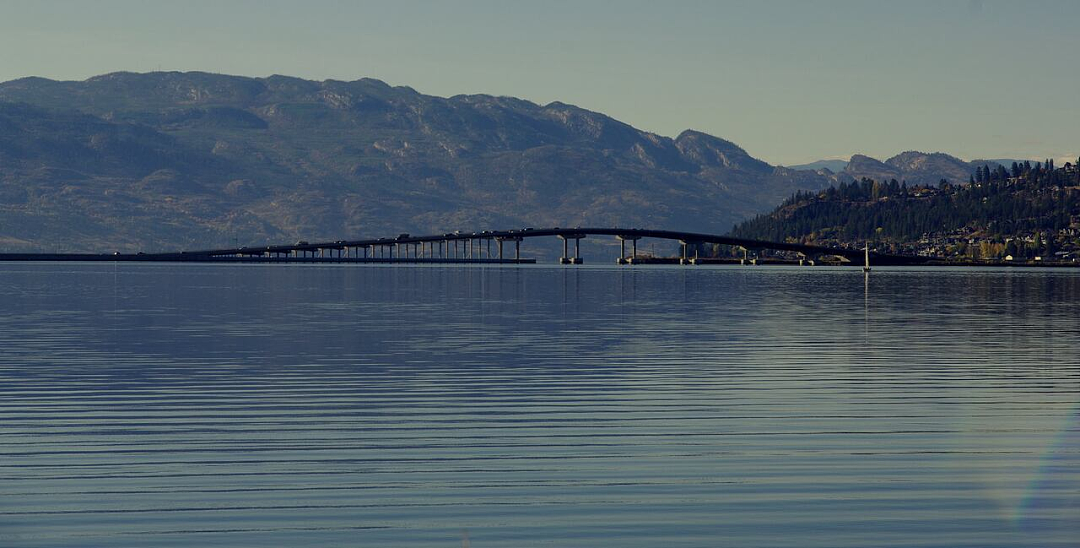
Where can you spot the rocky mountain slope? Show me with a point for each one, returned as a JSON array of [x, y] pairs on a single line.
[[180, 160]]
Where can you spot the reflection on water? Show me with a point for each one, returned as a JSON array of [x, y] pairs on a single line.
[[246, 405]]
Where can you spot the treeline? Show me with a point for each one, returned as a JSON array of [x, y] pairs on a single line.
[[998, 202]]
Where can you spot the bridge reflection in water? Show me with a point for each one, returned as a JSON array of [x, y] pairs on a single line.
[[488, 246]]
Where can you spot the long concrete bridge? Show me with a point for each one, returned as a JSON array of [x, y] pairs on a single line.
[[488, 246]]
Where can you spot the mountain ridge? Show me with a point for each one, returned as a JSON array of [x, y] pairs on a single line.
[[253, 160], [169, 160], [913, 166]]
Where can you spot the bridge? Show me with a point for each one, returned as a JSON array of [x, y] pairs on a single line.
[[488, 246]]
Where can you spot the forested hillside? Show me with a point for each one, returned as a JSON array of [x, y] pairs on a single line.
[[1028, 210]]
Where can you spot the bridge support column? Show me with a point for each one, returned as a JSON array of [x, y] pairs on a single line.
[[745, 256], [747, 260], [683, 259], [576, 259], [622, 246], [517, 245]]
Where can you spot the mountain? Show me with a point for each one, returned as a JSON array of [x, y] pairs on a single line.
[[916, 168], [171, 160], [911, 166], [834, 166]]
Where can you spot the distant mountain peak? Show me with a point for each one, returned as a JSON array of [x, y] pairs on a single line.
[[861, 162], [913, 166], [830, 166]]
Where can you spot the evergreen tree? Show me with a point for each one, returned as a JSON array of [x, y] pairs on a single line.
[[1050, 248]]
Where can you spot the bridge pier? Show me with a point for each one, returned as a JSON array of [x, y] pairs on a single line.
[[576, 259], [517, 246], [746, 260], [622, 245], [684, 259]]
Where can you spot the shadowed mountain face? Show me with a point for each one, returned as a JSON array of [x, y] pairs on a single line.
[[180, 160]]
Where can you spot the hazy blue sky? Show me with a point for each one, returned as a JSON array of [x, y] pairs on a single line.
[[789, 81]]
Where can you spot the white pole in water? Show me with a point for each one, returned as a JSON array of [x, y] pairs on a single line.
[[866, 265]]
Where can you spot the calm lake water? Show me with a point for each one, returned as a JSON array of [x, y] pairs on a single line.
[[268, 405]]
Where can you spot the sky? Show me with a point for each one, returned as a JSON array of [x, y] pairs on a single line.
[[791, 82]]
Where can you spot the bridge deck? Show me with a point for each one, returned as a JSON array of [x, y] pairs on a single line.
[[445, 248]]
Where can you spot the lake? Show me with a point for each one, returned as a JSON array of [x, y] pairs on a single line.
[[427, 406]]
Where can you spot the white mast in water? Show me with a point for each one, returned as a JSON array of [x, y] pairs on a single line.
[[866, 264]]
